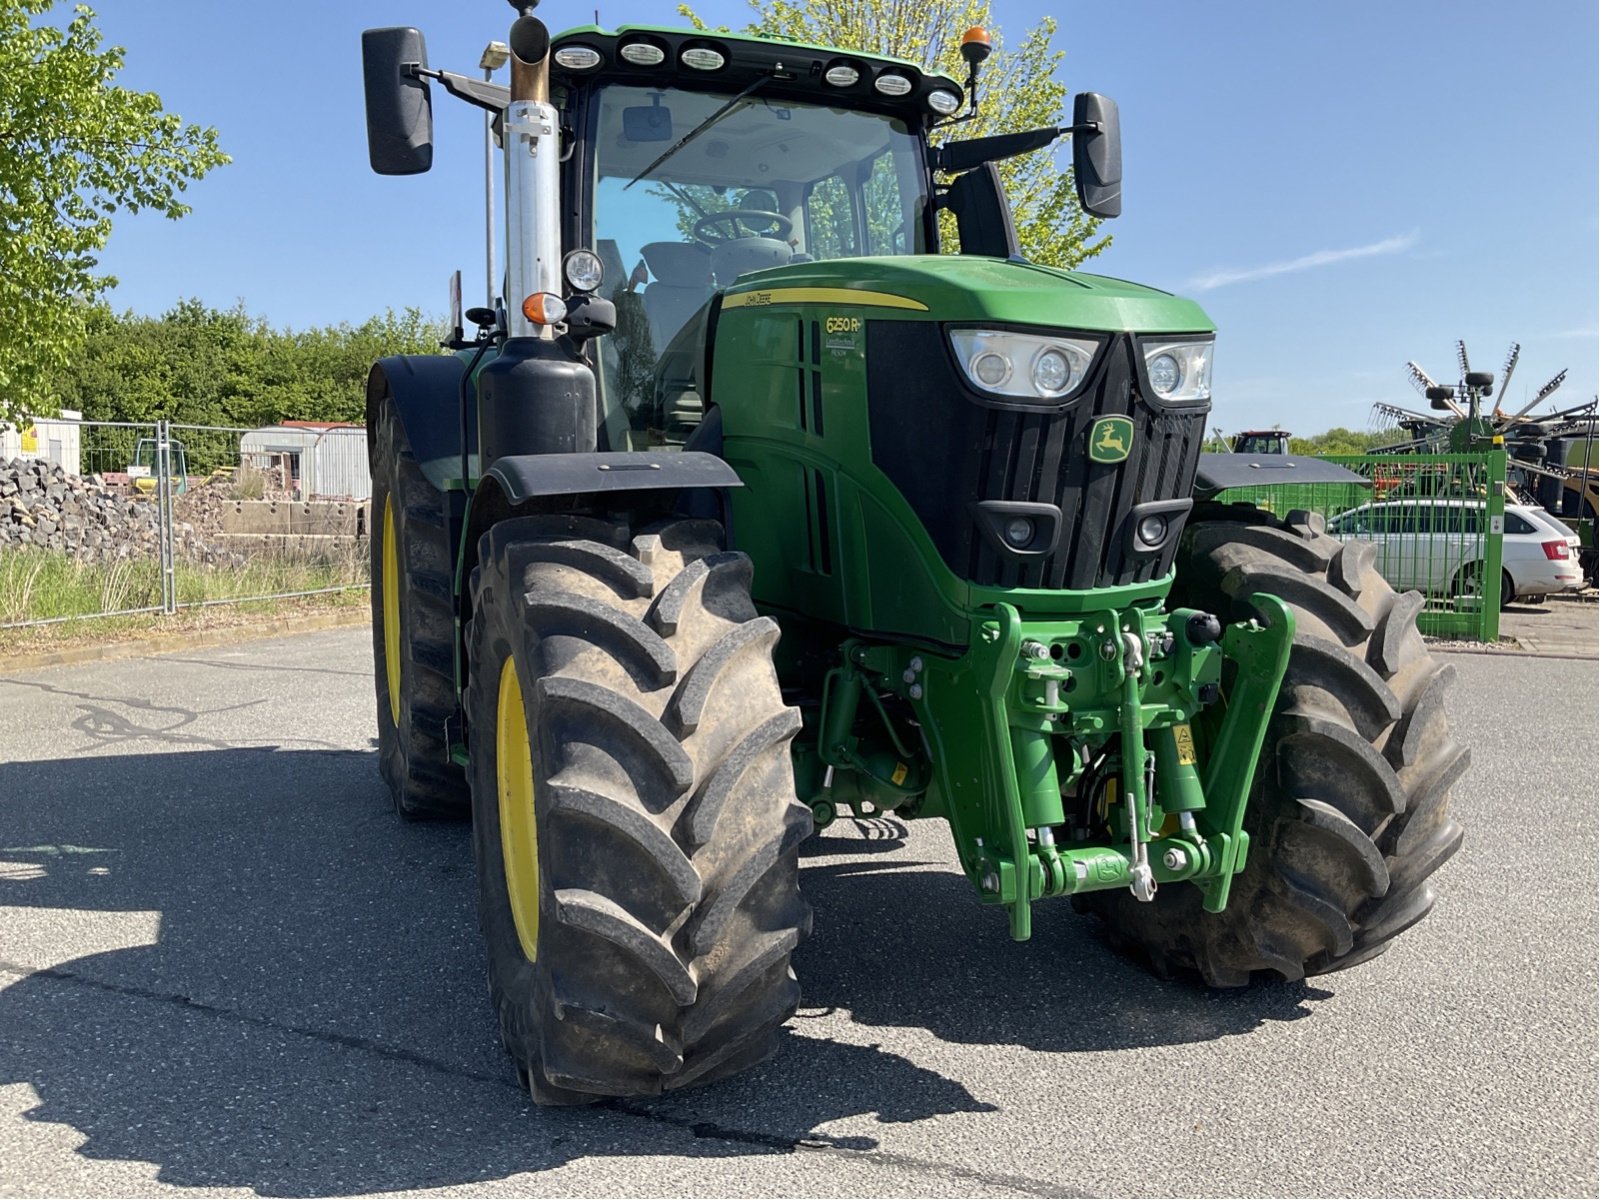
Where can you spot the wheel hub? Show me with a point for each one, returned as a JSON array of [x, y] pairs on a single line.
[[391, 608], [519, 836]]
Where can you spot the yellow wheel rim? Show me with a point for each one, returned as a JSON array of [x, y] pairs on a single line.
[[519, 834], [391, 608]]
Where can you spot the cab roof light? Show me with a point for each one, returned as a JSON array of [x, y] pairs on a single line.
[[703, 58], [642, 54], [578, 58]]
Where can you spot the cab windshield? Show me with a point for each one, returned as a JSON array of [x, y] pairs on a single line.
[[769, 182]]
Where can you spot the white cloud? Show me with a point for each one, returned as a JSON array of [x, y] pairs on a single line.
[[1322, 258]]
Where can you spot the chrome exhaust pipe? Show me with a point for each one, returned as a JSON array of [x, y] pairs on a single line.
[[533, 183]]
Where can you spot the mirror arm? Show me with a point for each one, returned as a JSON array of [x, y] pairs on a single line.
[[1005, 145], [492, 97]]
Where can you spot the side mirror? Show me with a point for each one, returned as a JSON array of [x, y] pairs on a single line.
[[399, 106], [1097, 154]]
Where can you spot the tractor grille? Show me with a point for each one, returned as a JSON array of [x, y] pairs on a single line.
[[947, 448]]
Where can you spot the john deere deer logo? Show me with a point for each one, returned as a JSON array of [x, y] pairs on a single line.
[[1110, 439]]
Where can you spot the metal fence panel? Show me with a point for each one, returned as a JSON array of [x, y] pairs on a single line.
[[1435, 523], [164, 517]]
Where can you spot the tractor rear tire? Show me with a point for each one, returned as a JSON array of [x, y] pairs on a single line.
[[1349, 813], [634, 814], [413, 630]]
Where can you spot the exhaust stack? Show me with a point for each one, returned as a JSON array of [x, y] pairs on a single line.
[[533, 184], [530, 60]]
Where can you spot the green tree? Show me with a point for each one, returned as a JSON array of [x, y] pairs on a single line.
[[198, 365], [1019, 89], [1340, 440], [75, 150]]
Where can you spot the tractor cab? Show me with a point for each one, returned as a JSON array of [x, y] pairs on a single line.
[[704, 159], [794, 171], [1261, 441], [144, 470]]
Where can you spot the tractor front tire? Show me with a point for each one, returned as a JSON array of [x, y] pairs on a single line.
[[413, 629], [1348, 816], [634, 814]]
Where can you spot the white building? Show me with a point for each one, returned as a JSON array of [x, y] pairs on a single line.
[[318, 460], [54, 439]]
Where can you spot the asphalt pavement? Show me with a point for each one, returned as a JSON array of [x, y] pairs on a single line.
[[225, 966]]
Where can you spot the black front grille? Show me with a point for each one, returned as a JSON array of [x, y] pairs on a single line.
[[947, 448]]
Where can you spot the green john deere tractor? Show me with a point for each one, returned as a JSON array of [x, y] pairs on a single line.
[[752, 503]]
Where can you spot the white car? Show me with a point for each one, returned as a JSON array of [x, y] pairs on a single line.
[[1437, 546]]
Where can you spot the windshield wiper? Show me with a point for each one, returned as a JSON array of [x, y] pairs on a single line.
[[696, 131]]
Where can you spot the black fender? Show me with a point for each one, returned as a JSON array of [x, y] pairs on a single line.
[[425, 390], [634, 481], [523, 477], [1217, 472]]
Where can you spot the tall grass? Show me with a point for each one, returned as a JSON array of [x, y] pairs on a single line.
[[38, 585]]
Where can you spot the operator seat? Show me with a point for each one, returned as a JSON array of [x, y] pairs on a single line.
[[682, 284]]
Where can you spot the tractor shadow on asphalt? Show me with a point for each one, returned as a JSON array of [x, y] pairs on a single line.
[[901, 940], [237, 965]]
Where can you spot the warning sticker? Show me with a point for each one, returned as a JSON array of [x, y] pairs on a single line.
[[1185, 740]]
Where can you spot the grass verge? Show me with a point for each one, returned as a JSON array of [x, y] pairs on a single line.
[[38, 585]]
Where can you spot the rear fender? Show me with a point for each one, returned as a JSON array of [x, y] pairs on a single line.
[[425, 391]]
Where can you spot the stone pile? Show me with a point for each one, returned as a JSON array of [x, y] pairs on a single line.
[[41, 505]]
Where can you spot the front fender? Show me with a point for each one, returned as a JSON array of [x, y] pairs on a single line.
[[523, 477]]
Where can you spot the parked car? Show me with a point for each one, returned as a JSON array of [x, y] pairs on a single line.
[[1571, 569], [1437, 546]]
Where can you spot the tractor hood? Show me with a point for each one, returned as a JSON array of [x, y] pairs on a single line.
[[964, 288]]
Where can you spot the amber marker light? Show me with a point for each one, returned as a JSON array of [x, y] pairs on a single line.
[[542, 308]]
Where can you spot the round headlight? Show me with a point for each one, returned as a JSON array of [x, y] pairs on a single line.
[[1052, 372], [943, 102], [842, 75], [643, 54], [703, 58], [891, 84], [578, 58], [1153, 529], [583, 270], [1019, 531], [1166, 374], [991, 369]]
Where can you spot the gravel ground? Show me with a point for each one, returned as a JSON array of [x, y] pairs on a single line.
[[225, 966]]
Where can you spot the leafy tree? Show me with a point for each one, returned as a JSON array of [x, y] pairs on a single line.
[[197, 365], [1018, 89], [75, 150], [1340, 440]]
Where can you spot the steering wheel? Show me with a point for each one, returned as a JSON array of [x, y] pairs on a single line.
[[709, 229]]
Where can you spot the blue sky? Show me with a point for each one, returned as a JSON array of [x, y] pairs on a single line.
[[1342, 186]]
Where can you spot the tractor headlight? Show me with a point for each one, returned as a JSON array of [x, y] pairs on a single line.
[[1023, 365], [583, 270], [1179, 371]]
